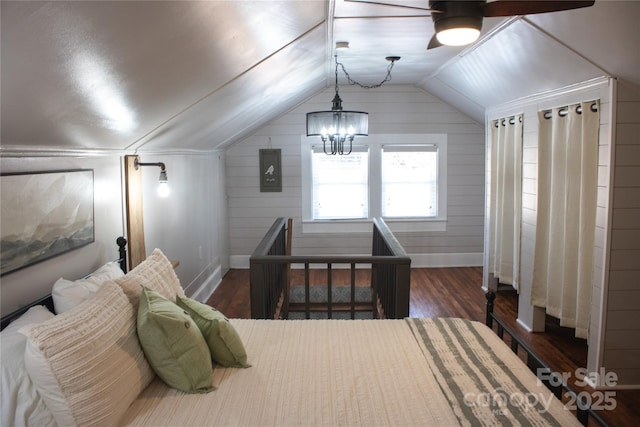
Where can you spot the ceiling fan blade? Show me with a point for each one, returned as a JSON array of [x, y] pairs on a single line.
[[528, 7], [433, 43]]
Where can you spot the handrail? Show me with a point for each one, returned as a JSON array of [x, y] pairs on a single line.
[[391, 268], [395, 248], [330, 259], [269, 238]]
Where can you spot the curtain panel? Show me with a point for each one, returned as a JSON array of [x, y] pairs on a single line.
[[505, 206], [566, 214]]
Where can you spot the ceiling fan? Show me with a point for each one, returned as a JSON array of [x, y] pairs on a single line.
[[458, 22]]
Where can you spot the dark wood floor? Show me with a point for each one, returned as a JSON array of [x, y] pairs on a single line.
[[456, 292]]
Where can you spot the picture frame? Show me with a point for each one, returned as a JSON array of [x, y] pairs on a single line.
[[270, 170], [43, 215]]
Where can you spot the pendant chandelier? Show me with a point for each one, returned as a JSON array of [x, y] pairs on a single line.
[[337, 128]]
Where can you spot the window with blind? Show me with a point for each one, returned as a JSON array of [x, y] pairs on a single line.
[[340, 185], [409, 181], [399, 177]]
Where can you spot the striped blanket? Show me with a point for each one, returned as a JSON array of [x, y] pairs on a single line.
[[483, 380]]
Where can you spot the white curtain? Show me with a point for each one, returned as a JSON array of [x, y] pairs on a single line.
[[566, 214], [505, 206]]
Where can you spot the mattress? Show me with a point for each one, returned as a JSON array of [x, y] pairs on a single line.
[[399, 372]]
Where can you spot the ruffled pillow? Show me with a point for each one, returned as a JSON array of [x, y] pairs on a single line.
[[87, 363], [155, 273]]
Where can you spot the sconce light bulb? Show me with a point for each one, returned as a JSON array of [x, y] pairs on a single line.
[[163, 189]]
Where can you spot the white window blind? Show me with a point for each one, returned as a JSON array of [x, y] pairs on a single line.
[[409, 181], [340, 185]]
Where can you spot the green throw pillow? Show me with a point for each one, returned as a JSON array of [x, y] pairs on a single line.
[[173, 344], [224, 342]]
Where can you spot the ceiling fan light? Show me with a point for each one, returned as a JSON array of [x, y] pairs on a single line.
[[458, 36], [459, 22]]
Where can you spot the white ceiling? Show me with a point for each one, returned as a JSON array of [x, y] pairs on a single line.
[[183, 75]]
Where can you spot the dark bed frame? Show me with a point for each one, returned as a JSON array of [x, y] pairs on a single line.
[[584, 413], [552, 379]]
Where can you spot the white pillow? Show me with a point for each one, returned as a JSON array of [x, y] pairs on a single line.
[[69, 293], [21, 404], [87, 363]]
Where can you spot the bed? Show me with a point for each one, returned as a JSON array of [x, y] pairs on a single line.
[[90, 365]]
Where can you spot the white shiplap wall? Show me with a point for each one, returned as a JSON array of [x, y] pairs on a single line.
[[621, 352], [392, 109]]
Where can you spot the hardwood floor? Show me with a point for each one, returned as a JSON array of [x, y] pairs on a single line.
[[456, 292]]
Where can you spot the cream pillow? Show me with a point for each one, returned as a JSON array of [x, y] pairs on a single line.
[[67, 294], [87, 363], [155, 273]]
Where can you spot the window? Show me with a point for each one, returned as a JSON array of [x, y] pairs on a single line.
[[399, 177], [340, 185], [409, 181]]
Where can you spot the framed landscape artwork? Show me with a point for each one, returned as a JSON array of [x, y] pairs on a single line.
[[44, 214]]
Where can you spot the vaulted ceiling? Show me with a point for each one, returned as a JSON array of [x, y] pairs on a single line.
[[200, 75]]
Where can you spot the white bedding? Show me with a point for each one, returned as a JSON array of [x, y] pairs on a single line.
[[313, 373], [336, 372], [422, 372]]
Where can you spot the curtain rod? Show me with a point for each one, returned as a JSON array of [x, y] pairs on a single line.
[[565, 110]]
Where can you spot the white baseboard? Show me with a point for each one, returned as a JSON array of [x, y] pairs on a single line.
[[239, 261], [473, 259], [524, 325], [591, 383], [209, 283]]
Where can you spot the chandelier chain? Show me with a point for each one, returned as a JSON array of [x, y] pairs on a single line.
[[353, 82]]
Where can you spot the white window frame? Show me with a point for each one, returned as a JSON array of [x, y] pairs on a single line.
[[374, 144]]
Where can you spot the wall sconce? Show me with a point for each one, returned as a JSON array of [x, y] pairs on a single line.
[[133, 198], [163, 187]]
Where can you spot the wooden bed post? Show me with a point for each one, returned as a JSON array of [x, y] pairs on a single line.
[[122, 253]]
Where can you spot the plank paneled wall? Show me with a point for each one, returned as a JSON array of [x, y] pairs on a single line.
[[392, 109], [622, 330]]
